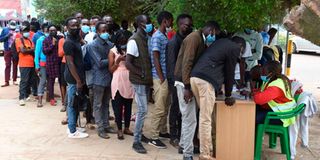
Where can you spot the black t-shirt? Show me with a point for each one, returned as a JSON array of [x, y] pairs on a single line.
[[72, 47]]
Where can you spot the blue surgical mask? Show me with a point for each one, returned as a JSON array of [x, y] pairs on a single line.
[[46, 34], [26, 34], [66, 33], [210, 39], [93, 29], [104, 36], [264, 78], [85, 29], [148, 28]]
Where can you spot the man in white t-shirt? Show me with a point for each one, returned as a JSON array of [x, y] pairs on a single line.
[[239, 75]]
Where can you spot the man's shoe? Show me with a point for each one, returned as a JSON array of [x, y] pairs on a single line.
[[157, 143], [5, 85], [144, 139], [187, 158], [164, 135], [103, 135], [138, 147], [78, 134], [174, 143], [63, 109], [64, 122], [128, 132], [15, 83], [180, 150], [22, 102], [110, 130], [53, 102]]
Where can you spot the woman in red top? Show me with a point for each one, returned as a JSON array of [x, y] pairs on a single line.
[[270, 73]]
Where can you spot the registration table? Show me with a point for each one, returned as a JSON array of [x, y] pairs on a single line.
[[235, 130]]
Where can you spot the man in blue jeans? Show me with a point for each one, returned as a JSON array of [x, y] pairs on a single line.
[[74, 74], [139, 66]]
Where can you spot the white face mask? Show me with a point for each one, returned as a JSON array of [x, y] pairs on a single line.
[[168, 29]]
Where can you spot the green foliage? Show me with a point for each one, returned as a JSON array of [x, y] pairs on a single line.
[[233, 15]]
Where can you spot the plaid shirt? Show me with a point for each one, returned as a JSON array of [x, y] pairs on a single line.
[[159, 43], [53, 61]]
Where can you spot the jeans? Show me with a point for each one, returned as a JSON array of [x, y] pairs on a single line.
[[43, 79], [189, 122], [142, 109], [174, 115], [28, 75], [89, 111], [71, 111], [101, 98], [161, 106], [8, 60], [122, 107]]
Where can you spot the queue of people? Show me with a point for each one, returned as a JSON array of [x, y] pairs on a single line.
[[185, 71]]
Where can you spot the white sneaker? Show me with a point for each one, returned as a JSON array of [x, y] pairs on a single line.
[[82, 130], [22, 102], [31, 99], [77, 135]]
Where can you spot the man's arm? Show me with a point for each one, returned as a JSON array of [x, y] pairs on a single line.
[[24, 50], [73, 70], [131, 67], [156, 61], [95, 55], [4, 36]]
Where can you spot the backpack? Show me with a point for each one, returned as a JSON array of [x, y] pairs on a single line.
[[86, 58], [14, 52]]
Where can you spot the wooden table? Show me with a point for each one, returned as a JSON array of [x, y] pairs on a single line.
[[235, 130]]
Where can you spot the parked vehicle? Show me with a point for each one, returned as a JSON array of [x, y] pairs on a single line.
[[303, 45]]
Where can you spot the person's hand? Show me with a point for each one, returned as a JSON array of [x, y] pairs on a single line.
[[229, 101], [79, 87], [38, 72], [187, 95]]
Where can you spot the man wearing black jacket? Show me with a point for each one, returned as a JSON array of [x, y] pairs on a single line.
[[184, 22], [215, 67]]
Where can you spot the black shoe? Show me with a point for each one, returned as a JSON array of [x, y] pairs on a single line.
[[187, 158], [157, 143], [110, 130], [180, 150], [164, 135], [144, 139], [174, 143], [196, 150], [138, 147], [103, 135]]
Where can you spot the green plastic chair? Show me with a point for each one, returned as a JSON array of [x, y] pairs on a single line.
[[275, 131]]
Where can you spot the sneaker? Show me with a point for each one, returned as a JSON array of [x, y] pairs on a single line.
[[78, 134], [164, 135], [110, 130], [180, 150], [53, 102], [138, 147], [22, 102], [31, 99], [63, 109], [157, 143], [103, 135], [82, 130], [174, 143], [144, 139]]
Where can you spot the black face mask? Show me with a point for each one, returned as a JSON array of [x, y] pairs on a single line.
[[74, 32], [53, 34]]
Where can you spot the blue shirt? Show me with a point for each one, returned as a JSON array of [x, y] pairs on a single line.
[[4, 37], [265, 37], [159, 43], [39, 55], [36, 37]]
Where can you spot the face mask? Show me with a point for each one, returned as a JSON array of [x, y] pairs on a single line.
[[46, 34], [12, 27], [74, 32], [168, 29], [104, 36], [264, 78], [85, 29], [65, 33], [123, 46], [26, 34], [93, 29], [148, 28], [210, 39], [53, 34]]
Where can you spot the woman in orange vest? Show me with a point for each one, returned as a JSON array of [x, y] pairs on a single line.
[[274, 95]]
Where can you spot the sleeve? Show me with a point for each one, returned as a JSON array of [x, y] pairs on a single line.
[[267, 95], [47, 46], [37, 53], [132, 48], [190, 50], [156, 43], [60, 47], [230, 65], [35, 38], [258, 48], [95, 55], [4, 36], [68, 48]]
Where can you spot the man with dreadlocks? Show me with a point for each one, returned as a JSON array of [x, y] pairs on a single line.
[[274, 94]]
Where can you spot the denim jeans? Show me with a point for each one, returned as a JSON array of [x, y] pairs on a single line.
[[71, 111], [43, 79], [142, 109], [28, 75], [101, 99]]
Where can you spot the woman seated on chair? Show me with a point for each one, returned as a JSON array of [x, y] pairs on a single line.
[[274, 95]]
